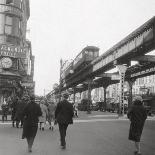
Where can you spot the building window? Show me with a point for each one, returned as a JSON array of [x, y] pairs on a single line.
[[9, 1], [21, 5], [8, 25]]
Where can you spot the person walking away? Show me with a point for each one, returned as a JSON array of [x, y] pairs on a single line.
[[20, 107], [137, 115], [19, 111], [13, 109], [31, 113], [5, 110], [42, 119], [64, 116], [51, 112]]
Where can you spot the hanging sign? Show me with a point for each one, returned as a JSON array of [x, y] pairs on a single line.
[[12, 51], [150, 70]]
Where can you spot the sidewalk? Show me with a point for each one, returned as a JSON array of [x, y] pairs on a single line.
[[105, 115], [83, 115]]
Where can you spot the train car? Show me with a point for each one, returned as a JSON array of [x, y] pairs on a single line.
[[69, 69], [88, 54]]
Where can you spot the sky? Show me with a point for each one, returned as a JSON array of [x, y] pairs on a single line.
[[60, 29]]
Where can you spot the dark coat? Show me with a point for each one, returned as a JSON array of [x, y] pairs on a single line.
[[31, 113], [19, 110], [64, 112], [137, 115]]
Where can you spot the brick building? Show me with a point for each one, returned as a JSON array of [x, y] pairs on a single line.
[[16, 59]]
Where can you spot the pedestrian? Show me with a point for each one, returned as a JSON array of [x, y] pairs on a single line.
[[14, 102], [64, 116], [5, 110], [42, 118], [31, 113], [75, 110], [51, 118], [20, 107], [137, 115]]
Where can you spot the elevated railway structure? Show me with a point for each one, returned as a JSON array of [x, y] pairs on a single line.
[[134, 47]]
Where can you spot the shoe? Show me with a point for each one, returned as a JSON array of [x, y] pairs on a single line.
[[30, 151], [63, 147], [136, 153]]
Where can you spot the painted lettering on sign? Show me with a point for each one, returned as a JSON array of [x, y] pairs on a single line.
[[144, 72], [12, 51]]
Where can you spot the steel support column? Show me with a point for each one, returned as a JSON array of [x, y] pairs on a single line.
[[104, 104], [89, 96], [122, 69], [130, 83]]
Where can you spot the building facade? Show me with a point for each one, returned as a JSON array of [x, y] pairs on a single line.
[[142, 86], [16, 59]]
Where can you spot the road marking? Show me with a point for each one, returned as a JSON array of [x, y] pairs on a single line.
[[96, 116], [92, 120]]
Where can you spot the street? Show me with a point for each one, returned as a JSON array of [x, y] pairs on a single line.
[[100, 136]]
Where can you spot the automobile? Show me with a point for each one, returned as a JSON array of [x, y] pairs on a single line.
[[83, 106], [147, 105]]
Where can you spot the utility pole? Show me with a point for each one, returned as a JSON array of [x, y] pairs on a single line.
[[60, 80]]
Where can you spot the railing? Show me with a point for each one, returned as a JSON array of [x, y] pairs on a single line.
[[10, 9]]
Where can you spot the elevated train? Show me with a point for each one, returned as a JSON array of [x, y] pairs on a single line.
[[87, 55]]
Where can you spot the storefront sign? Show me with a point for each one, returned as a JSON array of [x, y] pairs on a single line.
[[12, 51], [10, 9], [28, 84], [152, 69]]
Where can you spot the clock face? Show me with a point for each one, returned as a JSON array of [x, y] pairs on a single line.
[[6, 62]]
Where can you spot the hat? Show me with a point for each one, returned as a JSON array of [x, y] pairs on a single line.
[[65, 95], [42, 101], [137, 98]]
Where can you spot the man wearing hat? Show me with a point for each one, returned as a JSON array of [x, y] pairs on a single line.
[[64, 116], [137, 115]]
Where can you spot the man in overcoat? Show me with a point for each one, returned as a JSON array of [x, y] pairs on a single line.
[[64, 116], [31, 113], [137, 115]]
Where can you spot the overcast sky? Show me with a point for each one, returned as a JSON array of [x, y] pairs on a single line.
[[62, 28]]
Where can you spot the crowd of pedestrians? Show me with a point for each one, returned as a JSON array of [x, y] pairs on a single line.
[[28, 114]]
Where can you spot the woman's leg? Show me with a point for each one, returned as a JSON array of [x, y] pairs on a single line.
[[137, 145], [30, 143]]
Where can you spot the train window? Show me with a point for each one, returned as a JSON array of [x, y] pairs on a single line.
[[95, 54], [86, 52], [90, 53]]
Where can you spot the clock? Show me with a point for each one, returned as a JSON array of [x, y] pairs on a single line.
[[6, 62]]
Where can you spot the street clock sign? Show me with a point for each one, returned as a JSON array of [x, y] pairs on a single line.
[[6, 62]]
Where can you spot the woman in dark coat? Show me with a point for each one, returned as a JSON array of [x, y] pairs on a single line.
[[31, 113], [137, 115]]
